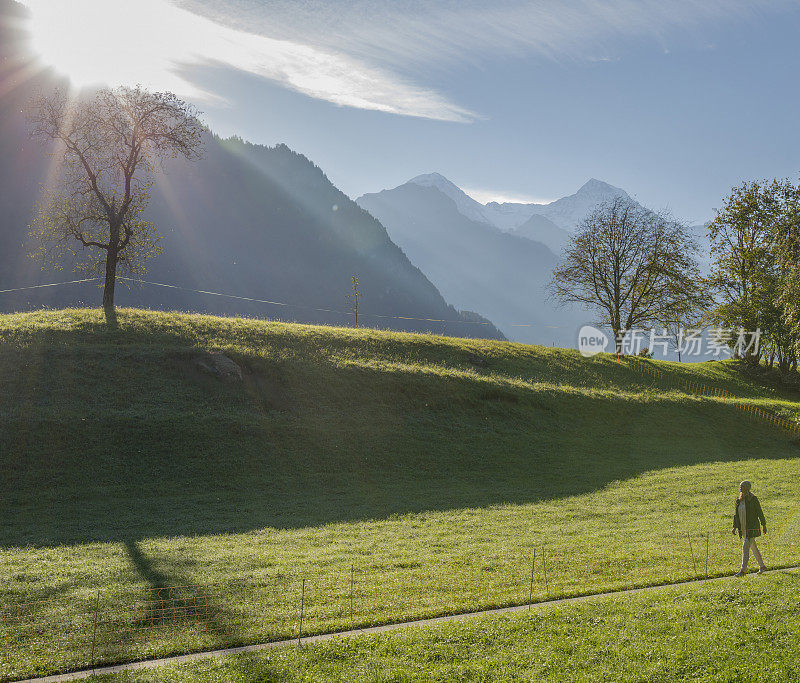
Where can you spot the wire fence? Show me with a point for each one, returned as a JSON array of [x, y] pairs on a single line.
[[131, 622], [699, 389], [346, 314]]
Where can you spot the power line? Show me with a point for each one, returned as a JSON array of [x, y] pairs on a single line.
[[269, 302], [52, 284], [231, 296], [308, 308]]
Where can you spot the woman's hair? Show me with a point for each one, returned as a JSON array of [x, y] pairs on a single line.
[[744, 489]]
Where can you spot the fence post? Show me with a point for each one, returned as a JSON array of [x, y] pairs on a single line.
[[302, 608], [691, 550], [352, 584], [533, 567], [544, 567], [94, 627]]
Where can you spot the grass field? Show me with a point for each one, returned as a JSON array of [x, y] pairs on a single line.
[[400, 475], [732, 631]]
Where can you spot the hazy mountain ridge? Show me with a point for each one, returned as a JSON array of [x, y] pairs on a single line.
[[465, 204], [476, 262], [541, 229], [547, 223], [496, 259]]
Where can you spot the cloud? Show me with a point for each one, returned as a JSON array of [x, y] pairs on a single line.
[[158, 43], [369, 54], [405, 34]]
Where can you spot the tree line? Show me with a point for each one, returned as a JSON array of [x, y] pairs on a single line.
[[638, 268]]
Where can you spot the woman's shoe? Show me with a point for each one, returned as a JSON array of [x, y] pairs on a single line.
[[740, 573], [760, 571]]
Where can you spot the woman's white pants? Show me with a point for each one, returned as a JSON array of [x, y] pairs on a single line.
[[750, 544]]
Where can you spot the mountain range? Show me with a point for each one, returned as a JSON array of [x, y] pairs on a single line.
[[498, 257], [549, 224]]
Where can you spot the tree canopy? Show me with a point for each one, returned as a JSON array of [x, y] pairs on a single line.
[[632, 266], [755, 276], [107, 147]]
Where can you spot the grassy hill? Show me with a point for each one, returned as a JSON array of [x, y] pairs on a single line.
[[423, 470]]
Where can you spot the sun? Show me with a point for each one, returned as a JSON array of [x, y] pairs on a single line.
[[107, 42]]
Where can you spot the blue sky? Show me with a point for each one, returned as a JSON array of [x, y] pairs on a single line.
[[673, 101]]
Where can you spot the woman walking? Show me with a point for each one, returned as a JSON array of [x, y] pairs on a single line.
[[748, 519]]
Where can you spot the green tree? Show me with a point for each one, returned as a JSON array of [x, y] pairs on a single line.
[[752, 245], [784, 196], [633, 266], [108, 146]]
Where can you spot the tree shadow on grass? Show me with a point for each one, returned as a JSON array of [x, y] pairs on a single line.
[[112, 322], [346, 444], [170, 600], [172, 615]]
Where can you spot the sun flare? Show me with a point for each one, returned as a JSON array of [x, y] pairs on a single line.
[[160, 45], [109, 42]]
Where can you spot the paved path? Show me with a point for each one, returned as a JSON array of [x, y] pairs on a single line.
[[178, 659]]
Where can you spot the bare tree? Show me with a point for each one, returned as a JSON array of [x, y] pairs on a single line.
[[681, 329], [354, 297], [108, 146], [632, 265]]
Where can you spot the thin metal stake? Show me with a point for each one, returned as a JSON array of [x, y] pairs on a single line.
[[706, 554], [302, 608], [544, 566], [352, 583], [94, 628], [691, 550], [533, 567]]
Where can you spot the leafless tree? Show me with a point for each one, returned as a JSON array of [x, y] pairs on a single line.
[[108, 146], [354, 297], [633, 266]]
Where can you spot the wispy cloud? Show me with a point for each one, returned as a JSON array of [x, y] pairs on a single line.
[[369, 54], [405, 33], [158, 43]]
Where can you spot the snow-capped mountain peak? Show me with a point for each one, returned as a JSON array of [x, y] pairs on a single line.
[[595, 186], [466, 205], [549, 222], [436, 180], [568, 212]]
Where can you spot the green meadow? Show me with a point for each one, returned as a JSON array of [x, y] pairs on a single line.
[[370, 476]]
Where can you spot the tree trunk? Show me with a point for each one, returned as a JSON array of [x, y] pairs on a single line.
[[617, 340], [110, 282]]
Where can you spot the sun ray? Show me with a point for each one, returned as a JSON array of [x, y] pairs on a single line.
[[19, 76]]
